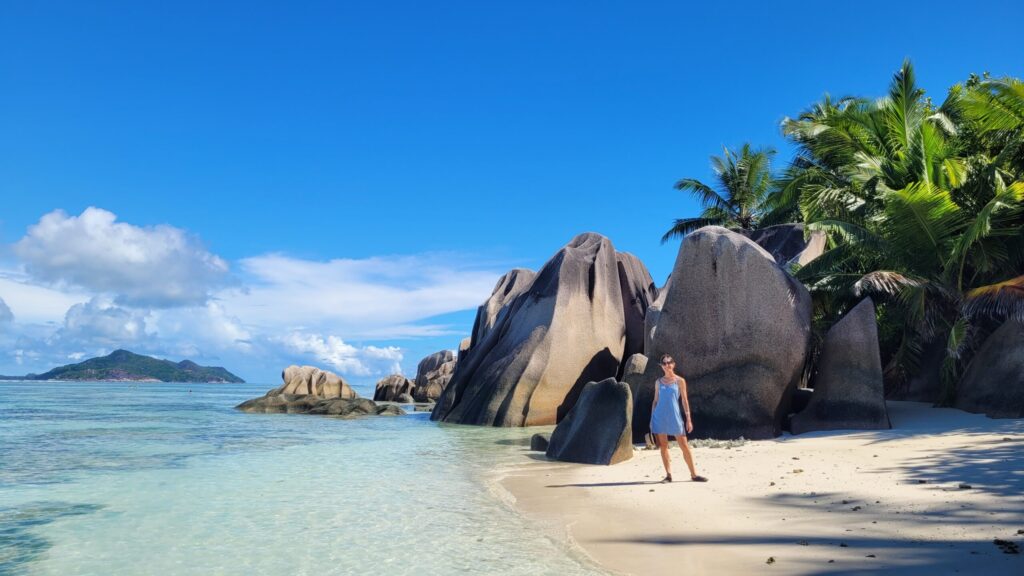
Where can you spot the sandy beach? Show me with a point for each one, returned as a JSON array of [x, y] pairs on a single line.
[[929, 496]]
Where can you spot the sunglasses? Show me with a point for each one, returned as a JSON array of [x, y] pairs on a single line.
[[669, 363]]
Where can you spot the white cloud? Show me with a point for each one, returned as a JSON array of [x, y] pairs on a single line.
[[380, 297], [345, 358], [99, 322], [159, 266], [196, 331], [89, 284], [35, 304]]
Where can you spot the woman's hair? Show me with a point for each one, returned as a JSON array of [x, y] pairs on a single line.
[[665, 357]]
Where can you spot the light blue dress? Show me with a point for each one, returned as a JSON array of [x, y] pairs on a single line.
[[666, 418]]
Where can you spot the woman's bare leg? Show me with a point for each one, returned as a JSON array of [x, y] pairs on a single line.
[[681, 440], [663, 447]]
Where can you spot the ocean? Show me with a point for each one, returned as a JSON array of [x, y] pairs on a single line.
[[165, 479]]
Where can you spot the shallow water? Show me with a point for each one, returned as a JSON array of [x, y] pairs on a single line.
[[120, 478]]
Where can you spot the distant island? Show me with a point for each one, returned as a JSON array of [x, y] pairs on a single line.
[[125, 366]]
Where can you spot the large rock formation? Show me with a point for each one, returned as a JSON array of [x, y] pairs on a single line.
[[390, 388], [638, 292], [302, 380], [310, 390], [433, 374], [738, 327], [566, 329], [994, 381], [848, 389], [597, 430], [511, 284], [788, 243]]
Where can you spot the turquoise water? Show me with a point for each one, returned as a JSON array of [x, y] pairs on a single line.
[[119, 478]]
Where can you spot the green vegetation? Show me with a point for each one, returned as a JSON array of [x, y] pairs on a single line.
[[923, 206], [124, 365], [744, 182]]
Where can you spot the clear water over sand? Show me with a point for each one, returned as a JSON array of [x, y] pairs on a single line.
[[122, 478]]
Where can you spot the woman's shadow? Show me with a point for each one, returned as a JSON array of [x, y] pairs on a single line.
[[606, 484]]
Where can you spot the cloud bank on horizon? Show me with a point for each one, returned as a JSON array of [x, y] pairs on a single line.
[[81, 286]]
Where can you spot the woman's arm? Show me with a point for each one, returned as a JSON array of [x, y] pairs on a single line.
[[684, 400]]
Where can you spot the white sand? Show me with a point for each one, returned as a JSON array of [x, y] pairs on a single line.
[[893, 494]]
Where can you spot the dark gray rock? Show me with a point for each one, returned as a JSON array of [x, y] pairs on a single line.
[[848, 389], [653, 313], [388, 389], [994, 381], [539, 442], [738, 326], [404, 399], [597, 430], [566, 330], [643, 396], [638, 293], [787, 243], [433, 374]]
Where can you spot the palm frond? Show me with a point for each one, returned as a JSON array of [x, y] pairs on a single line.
[[885, 282], [1001, 301], [684, 226], [706, 195]]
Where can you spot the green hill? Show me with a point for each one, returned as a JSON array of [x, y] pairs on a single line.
[[125, 365]]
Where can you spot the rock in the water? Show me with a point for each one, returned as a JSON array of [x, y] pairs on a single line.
[[309, 390], [638, 293], [848, 389], [566, 330], [344, 407], [597, 430], [738, 326], [539, 442], [389, 410], [391, 387], [994, 381], [310, 380], [653, 313], [280, 404], [309, 404], [788, 243], [433, 374]]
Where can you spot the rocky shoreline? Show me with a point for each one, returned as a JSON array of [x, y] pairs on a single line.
[[730, 311]]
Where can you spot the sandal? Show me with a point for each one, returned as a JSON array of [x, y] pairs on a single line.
[[667, 478], [698, 478]]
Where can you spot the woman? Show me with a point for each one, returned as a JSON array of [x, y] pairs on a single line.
[[669, 397]]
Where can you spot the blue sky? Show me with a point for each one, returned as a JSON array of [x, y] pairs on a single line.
[[341, 183]]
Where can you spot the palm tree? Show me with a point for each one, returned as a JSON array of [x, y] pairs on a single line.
[[923, 210], [744, 182]]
